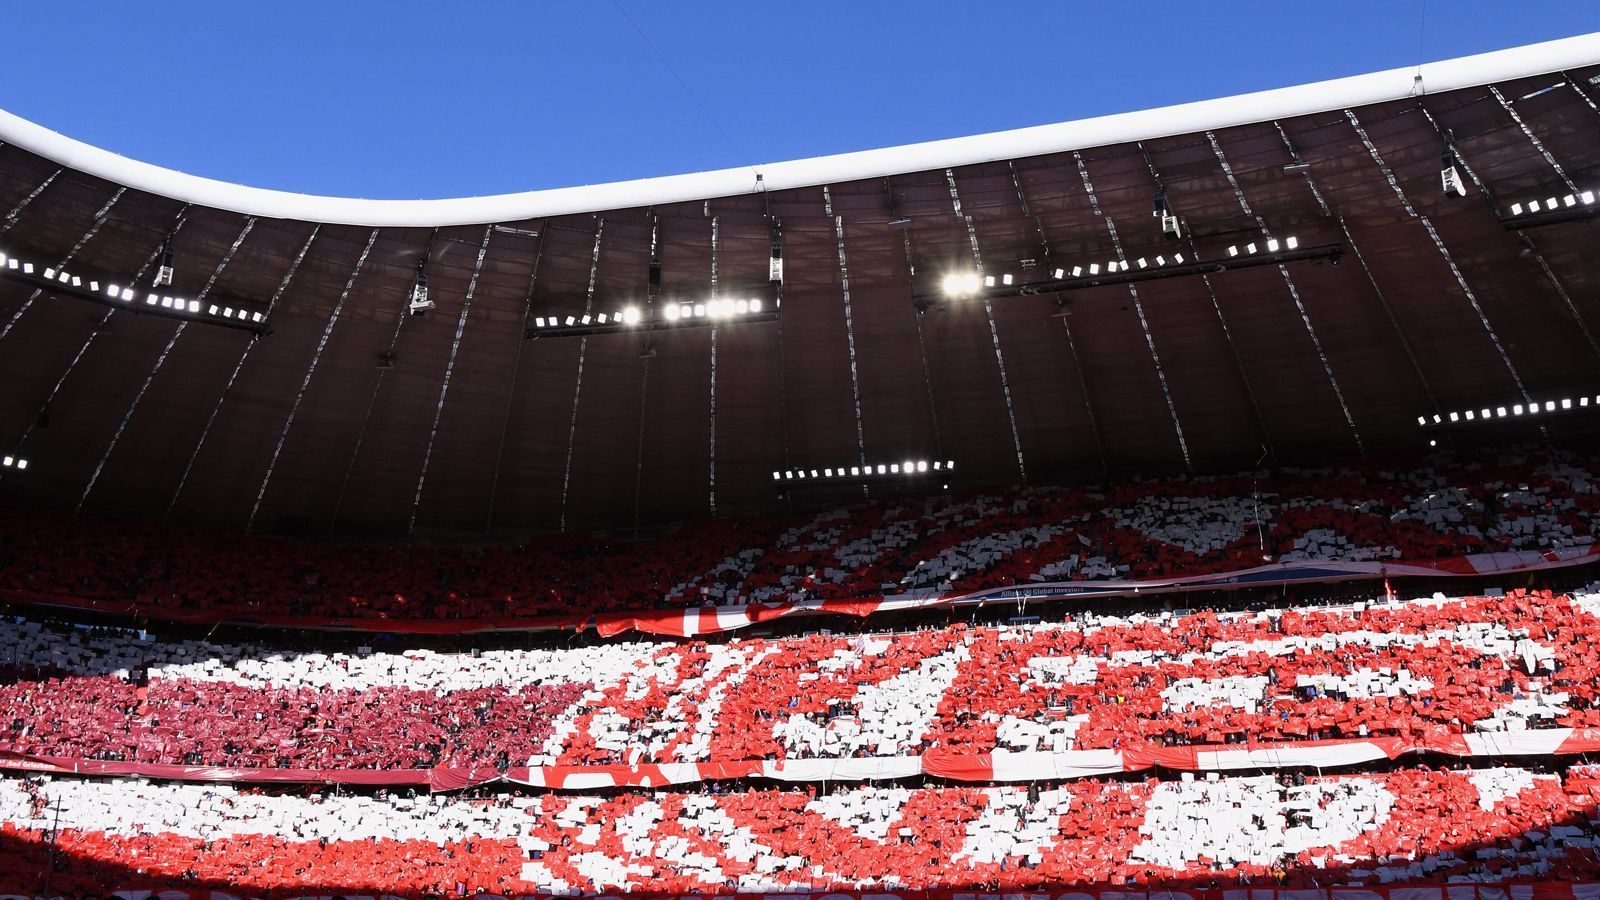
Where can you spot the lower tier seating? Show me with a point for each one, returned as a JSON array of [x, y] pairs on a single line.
[[1410, 825], [1420, 670]]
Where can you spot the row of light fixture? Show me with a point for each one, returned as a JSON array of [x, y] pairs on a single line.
[[909, 467], [671, 312], [128, 296], [1273, 246], [14, 264], [14, 462], [1554, 204], [1505, 412], [184, 305], [967, 284]]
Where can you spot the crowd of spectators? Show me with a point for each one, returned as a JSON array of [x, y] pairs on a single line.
[[937, 545], [1418, 670], [1410, 825]]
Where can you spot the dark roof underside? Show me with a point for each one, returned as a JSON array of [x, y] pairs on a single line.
[[1432, 309]]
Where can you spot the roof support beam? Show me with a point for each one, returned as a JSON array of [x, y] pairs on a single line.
[[994, 332], [1293, 291], [783, 369], [922, 346], [99, 328], [94, 229], [401, 317], [1138, 308], [1388, 310], [1444, 253], [1216, 306], [1527, 243], [1046, 261], [849, 326], [227, 388], [11, 217], [249, 225], [305, 382], [1533, 139], [711, 409], [449, 369], [647, 355], [577, 384], [511, 393]]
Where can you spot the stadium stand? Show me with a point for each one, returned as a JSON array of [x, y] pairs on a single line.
[[1411, 825], [1425, 671], [1436, 513], [194, 714]]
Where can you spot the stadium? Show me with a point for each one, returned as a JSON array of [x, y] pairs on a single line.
[[1197, 502]]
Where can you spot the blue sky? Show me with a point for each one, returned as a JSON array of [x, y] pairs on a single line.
[[402, 99]]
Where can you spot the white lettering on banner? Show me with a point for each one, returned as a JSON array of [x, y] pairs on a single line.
[[211, 812], [867, 812], [1496, 786], [701, 813], [611, 731], [887, 715], [1011, 826], [728, 667], [1188, 820], [1238, 691], [1489, 638]]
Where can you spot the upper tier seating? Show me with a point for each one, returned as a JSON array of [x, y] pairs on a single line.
[[1415, 669], [940, 545], [1410, 825]]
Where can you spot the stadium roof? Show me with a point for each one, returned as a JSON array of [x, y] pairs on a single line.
[[339, 413]]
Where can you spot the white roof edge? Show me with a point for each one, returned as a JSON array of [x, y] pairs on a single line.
[[1359, 90]]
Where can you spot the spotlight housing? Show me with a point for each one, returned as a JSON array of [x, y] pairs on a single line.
[[1450, 173], [164, 266], [420, 303]]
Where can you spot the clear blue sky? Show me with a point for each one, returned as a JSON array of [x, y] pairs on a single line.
[[403, 99]]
